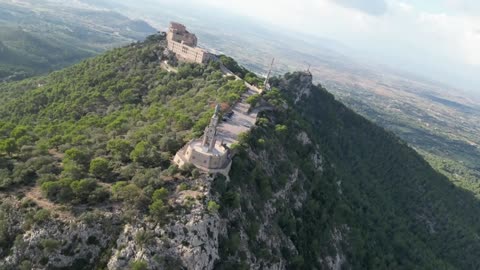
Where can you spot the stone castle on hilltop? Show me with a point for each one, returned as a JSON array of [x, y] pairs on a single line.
[[184, 45]]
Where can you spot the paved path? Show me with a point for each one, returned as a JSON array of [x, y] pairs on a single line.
[[241, 120]]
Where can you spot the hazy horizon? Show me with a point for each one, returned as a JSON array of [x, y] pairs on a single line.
[[437, 40]]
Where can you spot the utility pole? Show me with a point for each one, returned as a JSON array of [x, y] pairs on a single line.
[[266, 84]]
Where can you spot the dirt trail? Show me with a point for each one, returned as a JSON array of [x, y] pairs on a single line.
[[35, 195]]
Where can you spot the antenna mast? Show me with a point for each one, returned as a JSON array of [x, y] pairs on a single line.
[[267, 85]]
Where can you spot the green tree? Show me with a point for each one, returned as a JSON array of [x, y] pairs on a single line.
[[73, 170], [83, 188], [120, 149], [145, 154], [9, 146], [213, 207], [167, 143], [158, 210], [76, 155], [59, 191], [50, 244], [253, 100], [130, 193], [160, 194], [99, 168], [19, 131], [41, 215]]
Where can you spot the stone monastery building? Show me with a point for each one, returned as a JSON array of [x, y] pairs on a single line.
[[184, 44]]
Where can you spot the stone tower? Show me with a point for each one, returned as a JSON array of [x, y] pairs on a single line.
[[209, 136]]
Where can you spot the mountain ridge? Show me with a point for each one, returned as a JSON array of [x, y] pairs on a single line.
[[313, 185]]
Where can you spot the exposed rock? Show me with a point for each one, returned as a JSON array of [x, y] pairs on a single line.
[[305, 86], [336, 262], [57, 244], [188, 241], [303, 138]]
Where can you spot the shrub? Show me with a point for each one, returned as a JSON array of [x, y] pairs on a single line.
[[25, 265], [83, 188], [143, 237], [160, 194], [139, 265], [76, 155], [145, 154], [213, 207], [158, 210], [59, 191], [8, 146], [120, 149], [50, 244], [253, 100], [281, 129], [41, 215], [100, 194], [182, 187], [130, 193], [99, 168]]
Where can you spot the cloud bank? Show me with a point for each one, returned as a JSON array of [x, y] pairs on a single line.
[[372, 7], [437, 38]]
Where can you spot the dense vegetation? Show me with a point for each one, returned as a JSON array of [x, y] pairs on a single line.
[[105, 131], [374, 199], [116, 119], [24, 54], [429, 122], [240, 71]]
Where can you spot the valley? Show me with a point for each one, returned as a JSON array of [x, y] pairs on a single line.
[[40, 37]]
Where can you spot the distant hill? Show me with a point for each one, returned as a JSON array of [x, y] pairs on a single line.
[[24, 54], [41, 37]]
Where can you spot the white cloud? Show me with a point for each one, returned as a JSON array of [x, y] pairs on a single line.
[[372, 7], [457, 33]]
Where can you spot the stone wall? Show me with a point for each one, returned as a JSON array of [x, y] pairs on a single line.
[[187, 53]]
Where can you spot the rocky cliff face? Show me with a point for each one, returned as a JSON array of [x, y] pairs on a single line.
[[188, 241], [40, 241]]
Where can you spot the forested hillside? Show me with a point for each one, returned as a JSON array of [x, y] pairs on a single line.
[[23, 54], [107, 105], [96, 140], [86, 179], [345, 192]]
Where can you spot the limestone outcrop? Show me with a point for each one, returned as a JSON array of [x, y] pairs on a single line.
[[188, 241]]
